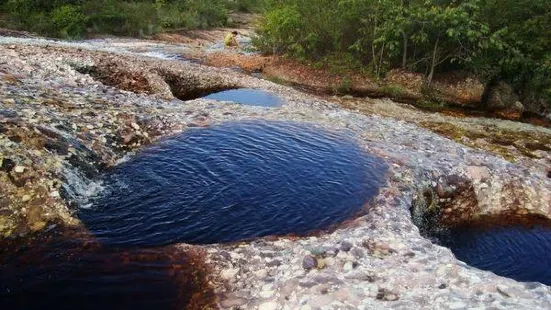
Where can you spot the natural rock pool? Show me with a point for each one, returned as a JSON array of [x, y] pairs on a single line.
[[517, 252], [69, 270], [232, 182], [247, 96]]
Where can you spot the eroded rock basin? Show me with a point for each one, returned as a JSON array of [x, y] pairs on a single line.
[[226, 183], [233, 182], [518, 252]]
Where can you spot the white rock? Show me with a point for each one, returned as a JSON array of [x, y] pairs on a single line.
[[347, 266], [457, 305], [329, 261], [229, 274], [268, 306], [19, 169], [262, 273], [266, 294]]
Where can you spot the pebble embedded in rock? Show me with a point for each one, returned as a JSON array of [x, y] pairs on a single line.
[[19, 169], [503, 290], [229, 274], [329, 261], [348, 266], [268, 306], [387, 295], [346, 246], [309, 262], [320, 263]]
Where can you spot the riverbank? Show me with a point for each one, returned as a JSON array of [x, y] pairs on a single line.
[[70, 112]]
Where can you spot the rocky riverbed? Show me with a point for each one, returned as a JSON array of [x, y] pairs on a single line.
[[69, 112]]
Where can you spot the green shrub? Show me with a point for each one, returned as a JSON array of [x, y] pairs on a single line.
[[78, 18], [69, 21], [494, 39], [395, 91], [250, 6], [344, 87]]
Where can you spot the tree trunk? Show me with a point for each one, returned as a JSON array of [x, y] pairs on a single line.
[[381, 60], [434, 62], [405, 52]]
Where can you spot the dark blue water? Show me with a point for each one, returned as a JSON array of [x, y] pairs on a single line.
[[247, 96], [232, 182], [71, 272], [520, 253]]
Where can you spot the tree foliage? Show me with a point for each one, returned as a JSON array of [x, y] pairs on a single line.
[[79, 18], [495, 39]]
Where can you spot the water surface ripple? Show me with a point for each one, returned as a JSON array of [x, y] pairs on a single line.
[[232, 182], [521, 253]]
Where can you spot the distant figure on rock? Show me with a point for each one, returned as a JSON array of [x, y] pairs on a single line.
[[230, 39]]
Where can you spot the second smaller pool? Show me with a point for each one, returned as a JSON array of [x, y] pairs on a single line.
[[247, 96], [517, 252]]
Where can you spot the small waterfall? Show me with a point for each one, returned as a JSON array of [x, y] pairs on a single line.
[[79, 189]]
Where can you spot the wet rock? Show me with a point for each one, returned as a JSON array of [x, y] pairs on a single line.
[[15, 138], [56, 146], [7, 164]]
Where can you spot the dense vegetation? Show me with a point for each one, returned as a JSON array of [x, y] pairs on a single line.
[[497, 40], [80, 18], [507, 40]]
